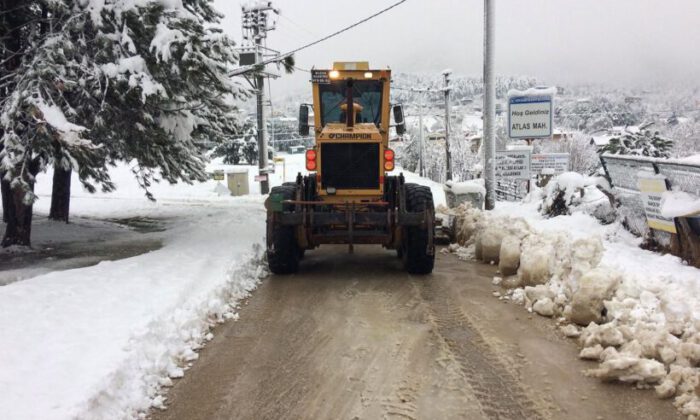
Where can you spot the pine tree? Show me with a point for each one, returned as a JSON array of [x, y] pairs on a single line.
[[53, 88], [171, 95], [131, 81], [642, 143], [19, 21]]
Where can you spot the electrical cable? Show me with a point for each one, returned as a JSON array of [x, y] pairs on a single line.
[[282, 15], [347, 28], [281, 57]]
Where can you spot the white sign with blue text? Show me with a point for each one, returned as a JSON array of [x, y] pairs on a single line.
[[530, 116]]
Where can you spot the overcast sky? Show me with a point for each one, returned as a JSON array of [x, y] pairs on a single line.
[[614, 42]]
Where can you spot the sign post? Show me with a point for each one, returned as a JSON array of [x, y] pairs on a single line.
[[530, 114], [652, 188], [557, 162], [284, 166], [513, 164]]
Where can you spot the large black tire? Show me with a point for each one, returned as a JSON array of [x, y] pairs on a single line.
[[310, 187], [416, 258], [284, 259]]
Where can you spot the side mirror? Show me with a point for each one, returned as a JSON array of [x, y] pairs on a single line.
[[398, 119], [303, 120]]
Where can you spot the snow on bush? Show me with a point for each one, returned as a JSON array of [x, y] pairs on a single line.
[[641, 328], [571, 192]]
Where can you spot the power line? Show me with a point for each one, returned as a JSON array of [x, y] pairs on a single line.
[[303, 28], [347, 28], [281, 57]]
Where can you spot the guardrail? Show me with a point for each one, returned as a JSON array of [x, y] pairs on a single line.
[[623, 174]]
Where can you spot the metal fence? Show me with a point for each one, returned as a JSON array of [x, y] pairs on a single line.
[[622, 172], [511, 189]]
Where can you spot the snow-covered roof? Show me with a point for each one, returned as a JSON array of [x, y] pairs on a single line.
[[533, 91], [602, 140], [472, 122]]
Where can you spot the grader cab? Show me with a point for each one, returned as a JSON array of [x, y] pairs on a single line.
[[349, 195]]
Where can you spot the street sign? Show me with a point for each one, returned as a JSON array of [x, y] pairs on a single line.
[[513, 164], [261, 178], [530, 116], [652, 187], [218, 175], [558, 162]]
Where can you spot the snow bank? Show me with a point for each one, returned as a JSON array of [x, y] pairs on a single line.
[[635, 312], [100, 342], [679, 204]]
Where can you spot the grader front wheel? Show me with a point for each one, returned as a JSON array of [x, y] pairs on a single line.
[[284, 256], [418, 254]]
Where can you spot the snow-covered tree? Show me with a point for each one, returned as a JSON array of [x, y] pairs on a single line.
[[642, 143], [686, 138], [31, 125], [145, 82], [170, 71], [599, 112], [583, 156]]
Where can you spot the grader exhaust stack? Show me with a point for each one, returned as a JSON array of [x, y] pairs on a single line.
[[349, 195]]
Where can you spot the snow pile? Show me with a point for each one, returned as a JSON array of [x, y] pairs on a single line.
[[466, 187], [679, 204], [635, 312], [169, 344], [465, 221]]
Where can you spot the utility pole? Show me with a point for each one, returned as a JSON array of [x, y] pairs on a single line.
[[448, 156], [255, 29], [489, 107], [421, 170]]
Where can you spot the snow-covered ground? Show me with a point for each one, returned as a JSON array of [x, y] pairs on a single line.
[[100, 342], [635, 311], [97, 342]]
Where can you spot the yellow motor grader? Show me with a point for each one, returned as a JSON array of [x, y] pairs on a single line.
[[349, 195]]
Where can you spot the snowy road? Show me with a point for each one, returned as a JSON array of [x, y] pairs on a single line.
[[353, 336]]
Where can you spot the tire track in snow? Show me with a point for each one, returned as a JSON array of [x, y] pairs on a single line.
[[497, 390]]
